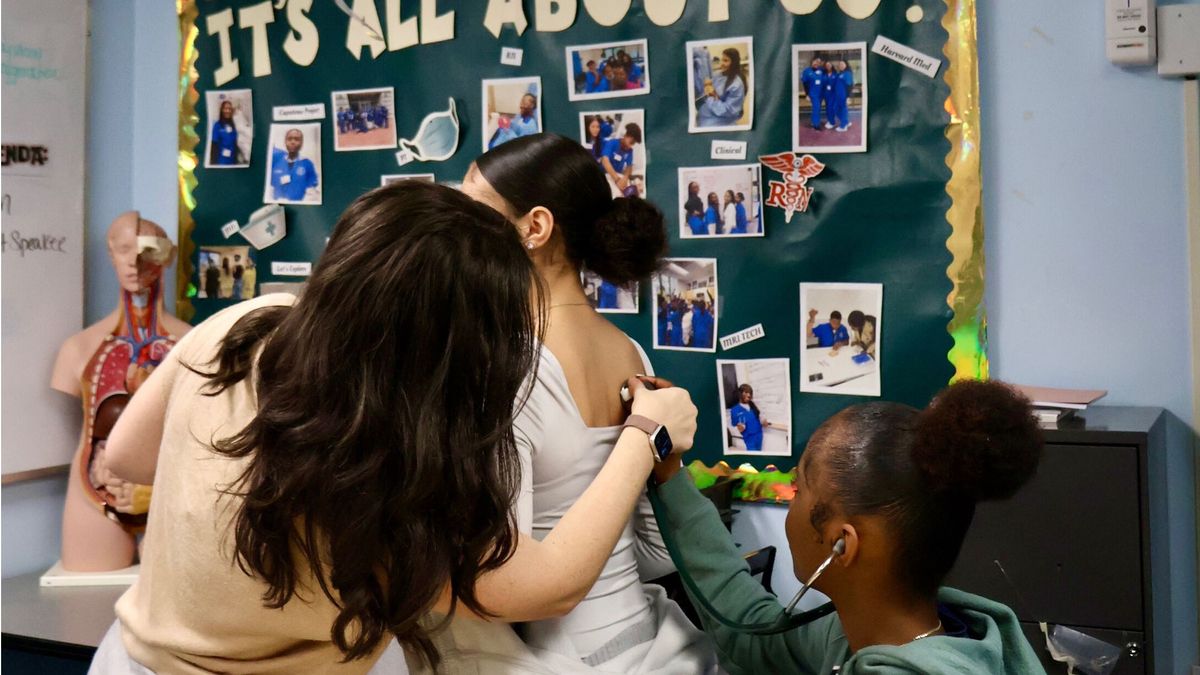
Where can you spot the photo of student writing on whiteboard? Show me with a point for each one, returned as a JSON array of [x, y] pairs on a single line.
[[886, 496], [556, 195], [308, 508]]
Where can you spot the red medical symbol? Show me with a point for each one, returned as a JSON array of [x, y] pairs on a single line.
[[793, 193]]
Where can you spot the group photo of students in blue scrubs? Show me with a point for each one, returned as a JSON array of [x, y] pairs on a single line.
[[829, 95], [365, 119], [685, 304], [720, 201], [608, 70]]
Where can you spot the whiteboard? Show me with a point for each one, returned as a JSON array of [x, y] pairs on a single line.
[[41, 267]]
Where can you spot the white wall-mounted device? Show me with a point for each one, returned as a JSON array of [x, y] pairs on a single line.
[[1130, 32], [1179, 40]]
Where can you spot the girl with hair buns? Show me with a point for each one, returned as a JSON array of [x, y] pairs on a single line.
[[886, 492], [559, 201]]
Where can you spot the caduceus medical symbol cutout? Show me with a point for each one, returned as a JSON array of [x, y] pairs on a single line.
[[793, 193]]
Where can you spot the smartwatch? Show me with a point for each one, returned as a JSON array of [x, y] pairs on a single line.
[[660, 440]]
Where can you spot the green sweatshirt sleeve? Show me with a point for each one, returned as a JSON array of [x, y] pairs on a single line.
[[723, 576]]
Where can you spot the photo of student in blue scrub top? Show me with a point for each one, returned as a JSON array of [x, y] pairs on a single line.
[[606, 297], [756, 402], [720, 201], [231, 134], [512, 108], [829, 97], [685, 301], [840, 346], [721, 81], [615, 139], [608, 70], [294, 172]]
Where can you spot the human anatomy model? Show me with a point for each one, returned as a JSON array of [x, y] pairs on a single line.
[[104, 365]]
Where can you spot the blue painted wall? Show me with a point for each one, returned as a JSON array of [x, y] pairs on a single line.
[[1084, 206]]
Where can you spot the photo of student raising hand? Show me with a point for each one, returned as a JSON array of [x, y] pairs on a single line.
[[839, 351]]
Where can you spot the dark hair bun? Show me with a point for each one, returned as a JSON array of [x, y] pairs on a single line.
[[628, 242], [977, 439]]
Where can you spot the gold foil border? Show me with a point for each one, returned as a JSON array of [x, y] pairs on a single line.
[[968, 327], [188, 140]]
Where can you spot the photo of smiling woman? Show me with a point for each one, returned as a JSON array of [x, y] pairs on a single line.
[[721, 82], [231, 114]]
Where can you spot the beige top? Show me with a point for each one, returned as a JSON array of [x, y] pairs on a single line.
[[192, 610]]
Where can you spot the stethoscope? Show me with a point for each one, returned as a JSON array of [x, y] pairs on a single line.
[[786, 620]]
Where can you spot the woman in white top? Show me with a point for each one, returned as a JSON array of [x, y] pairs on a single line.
[[729, 213], [561, 205], [329, 469]]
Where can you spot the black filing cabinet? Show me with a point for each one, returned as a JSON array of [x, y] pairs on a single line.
[[1073, 546]]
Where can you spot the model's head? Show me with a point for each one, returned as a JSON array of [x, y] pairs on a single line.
[[835, 319], [226, 111], [558, 197], [293, 140], [382, 454], [900, 485], [745, 393], [139, 250]]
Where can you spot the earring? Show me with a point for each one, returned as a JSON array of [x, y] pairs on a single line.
[[529, 245]]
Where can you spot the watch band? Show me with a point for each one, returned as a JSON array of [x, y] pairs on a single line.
[[647, 425]]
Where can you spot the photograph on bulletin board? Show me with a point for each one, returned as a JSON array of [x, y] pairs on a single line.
[[389, 178], [294, 172], [231, 132], [616, 140], [839, 348], [512, 108], [366, 119], [608, 298], [226, 273], [608, 70], [720, 201], [685, 303], [829, 97], [756, 406], [721, 79]]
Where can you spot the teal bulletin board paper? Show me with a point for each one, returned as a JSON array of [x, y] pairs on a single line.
[[875, 217]]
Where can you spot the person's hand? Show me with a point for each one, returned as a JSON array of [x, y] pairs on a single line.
[[834, 351], [622, 183], [812, 314], [668, 405], [741, 427]]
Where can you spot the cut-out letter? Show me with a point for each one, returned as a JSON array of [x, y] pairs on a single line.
[[665, 12], [364, 30], [256, 18], [303, 40], [607, 12], [435, 27], [400, 34], [219, 25], [800, 6], [500, 12], [553, 16]]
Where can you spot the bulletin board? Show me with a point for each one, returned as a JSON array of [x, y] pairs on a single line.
[[903, 214]]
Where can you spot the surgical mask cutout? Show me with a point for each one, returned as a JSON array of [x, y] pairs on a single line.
[[1081, 652], [437, 137]]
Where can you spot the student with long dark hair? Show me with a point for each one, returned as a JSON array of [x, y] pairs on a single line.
[[723, 101], [886, 492], [712, 214], [746, 419], [222, 147], [328, 469], [693, 210], [557, 197]]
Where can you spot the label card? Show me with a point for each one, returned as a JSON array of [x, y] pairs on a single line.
[[906, 56], [729, 149], [231, 228], [296, 113], [291, 269], [742, 337], [511, 56], [404, 157]]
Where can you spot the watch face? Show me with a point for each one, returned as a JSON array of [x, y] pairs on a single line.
[[662, 442]]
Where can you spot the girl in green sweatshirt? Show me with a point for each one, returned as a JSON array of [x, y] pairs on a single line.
[[899, 487]]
